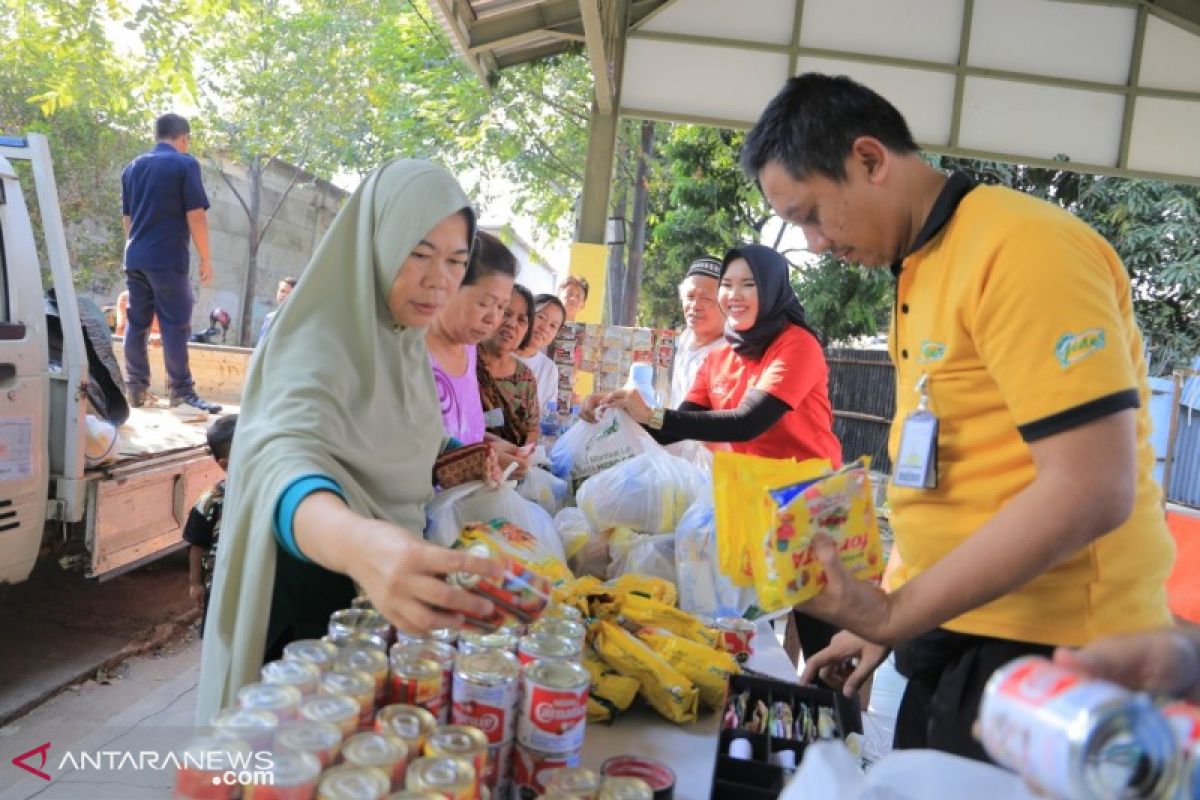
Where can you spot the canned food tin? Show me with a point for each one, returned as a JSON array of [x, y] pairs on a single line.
[[625, 789], [314, 651], [444, 635], [283, 701], [338, 709], [452, 778], [553, 707], [1074, 736], [291, 776], [736, 635], [253, 725], [415, 794], [486, 687], [322, 739], [353, 783], [443, 655], [562, 611], [478, 641], [203, 761], [417, 681], [567, 628], [410, 724], [578, 781], [358, 686], [1184, 719], [532, 768], [368, 640], [658, 775], [539, 646], [358, 657], [304, 675], [370, 749], [519, 594], [359, 620], [496, 773], [460, 741]]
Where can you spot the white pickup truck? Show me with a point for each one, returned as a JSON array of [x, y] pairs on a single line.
[[99, 520]]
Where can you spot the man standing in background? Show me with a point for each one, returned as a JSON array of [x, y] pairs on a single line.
[[162, 203], [281, 293], [704, 322]]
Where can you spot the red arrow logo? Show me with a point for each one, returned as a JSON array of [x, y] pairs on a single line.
[[39, 750]]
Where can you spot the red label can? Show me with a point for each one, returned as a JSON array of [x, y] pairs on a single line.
[[554, 707], [532, 768]]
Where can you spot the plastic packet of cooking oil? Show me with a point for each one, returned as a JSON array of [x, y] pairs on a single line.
[[610, 692], [742, 507], [709, 669], [655, 588], [643, 612], [666, 689], [840, 506]]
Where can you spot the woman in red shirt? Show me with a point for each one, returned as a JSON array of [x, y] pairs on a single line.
[[765, 391]]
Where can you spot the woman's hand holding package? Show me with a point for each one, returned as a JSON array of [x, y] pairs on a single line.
[[508, 453], [403, 576], [629, 399]]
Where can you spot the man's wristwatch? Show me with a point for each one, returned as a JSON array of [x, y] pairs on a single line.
[[656, 418]]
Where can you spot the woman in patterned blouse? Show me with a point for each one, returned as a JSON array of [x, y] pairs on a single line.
[[507, 387]]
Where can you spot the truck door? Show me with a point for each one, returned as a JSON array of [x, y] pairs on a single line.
[[24, 387]]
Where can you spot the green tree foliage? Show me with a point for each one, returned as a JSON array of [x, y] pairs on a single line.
[[844, 301], [699, 204]]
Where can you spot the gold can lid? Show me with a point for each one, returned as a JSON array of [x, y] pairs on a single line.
[[353, 683], [405, 721], [353, 783], [329, 708], [269, 696], [625, 789], [291, 673], [456, 740], [308, 735], [369, 749], [246, 719], [573, 779], [314, 651], [441, 654], [409, 664], [293, 768], [439, 773]]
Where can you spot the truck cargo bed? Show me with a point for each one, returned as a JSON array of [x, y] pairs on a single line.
[[154, 431]]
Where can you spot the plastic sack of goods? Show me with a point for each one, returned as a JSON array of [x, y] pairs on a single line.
[[590, 447], [648, 492]]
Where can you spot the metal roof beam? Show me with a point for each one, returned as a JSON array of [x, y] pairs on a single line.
[[520, 38], [594, 35], [459, 31]]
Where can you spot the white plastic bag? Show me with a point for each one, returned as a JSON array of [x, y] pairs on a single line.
[[703, 590], [548, 491], [695, 453], [647, 493], [461, 505], [652, 555], [573, 531], [589, 447]]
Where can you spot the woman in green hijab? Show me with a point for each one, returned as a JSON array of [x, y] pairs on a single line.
[[340, 425]]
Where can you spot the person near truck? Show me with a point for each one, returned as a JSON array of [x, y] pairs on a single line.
[[337, 436], [281, 293], [202, 530], [163, 202], [1023, 505]]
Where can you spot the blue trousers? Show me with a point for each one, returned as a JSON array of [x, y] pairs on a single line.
[[166, 293]]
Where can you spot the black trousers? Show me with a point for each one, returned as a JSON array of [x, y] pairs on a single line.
[[946, 674]]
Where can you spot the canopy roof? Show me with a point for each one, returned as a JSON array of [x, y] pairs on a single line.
[[1112, 86]]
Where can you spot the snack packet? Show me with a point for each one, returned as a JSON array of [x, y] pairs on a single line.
[[518, 544], [707, 668], [664, 687], [643, 612], [842, 507], [610, 692], [658, 589]]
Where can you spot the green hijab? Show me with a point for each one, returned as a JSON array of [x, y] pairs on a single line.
[[337, 389]]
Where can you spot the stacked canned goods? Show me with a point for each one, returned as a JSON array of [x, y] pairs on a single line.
[[1077, 737], [550, 727], [486, 696]]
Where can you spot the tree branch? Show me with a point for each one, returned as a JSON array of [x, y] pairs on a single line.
[[233, 188], [271, 217]]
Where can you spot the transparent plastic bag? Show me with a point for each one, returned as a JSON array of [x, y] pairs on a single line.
[[645, 555], [452, 510], [703, 590], [647, 493], [590, 447], [548, 491], [573, 531]]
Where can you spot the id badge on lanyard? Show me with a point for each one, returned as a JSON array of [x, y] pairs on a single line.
[[916, 460]]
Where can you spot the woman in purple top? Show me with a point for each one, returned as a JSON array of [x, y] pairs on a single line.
[[471, 315]]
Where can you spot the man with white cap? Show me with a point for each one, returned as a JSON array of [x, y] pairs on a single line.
[[705, 324]]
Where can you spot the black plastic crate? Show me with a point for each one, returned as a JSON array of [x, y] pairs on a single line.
[[757, 778]]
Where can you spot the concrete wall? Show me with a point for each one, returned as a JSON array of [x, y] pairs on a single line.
[[291, 239]]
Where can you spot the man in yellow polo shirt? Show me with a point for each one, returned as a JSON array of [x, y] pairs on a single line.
[[1024, 510]]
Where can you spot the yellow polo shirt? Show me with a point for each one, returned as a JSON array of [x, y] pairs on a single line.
[[1021, 317]]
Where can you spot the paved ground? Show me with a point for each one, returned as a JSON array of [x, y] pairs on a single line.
[[59, 629]]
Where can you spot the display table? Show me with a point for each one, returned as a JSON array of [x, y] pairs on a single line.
[[690, 750]]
